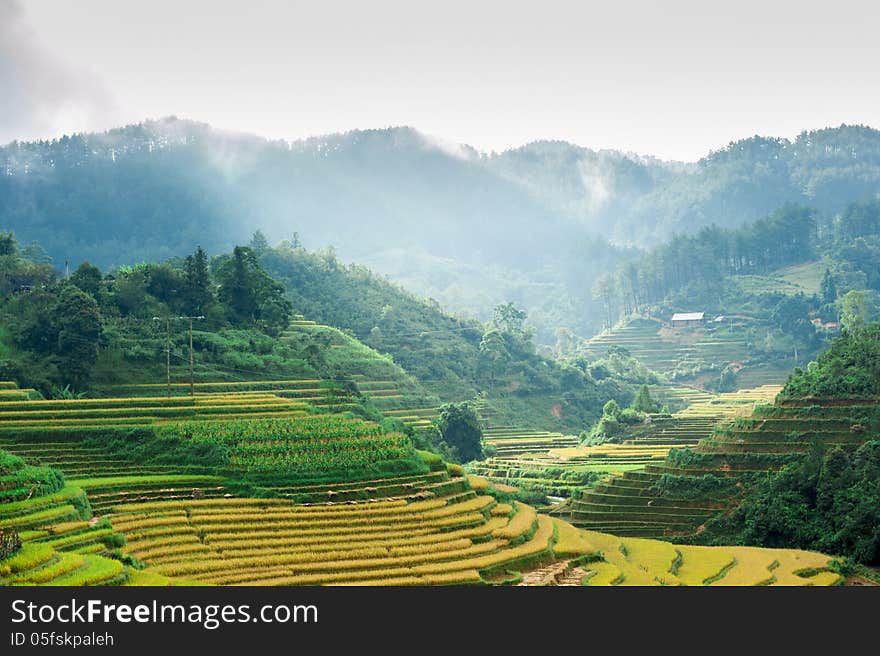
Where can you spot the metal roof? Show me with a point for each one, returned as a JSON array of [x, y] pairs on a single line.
[[688, 316]]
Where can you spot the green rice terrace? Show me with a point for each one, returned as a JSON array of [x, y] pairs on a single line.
[[673, 498], [555, 465], [689, 353], [365, 509], [358, 371], [800, 278]]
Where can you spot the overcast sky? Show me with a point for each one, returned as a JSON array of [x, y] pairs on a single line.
[[672, 78]]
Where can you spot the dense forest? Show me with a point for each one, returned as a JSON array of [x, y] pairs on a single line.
[[828, 499], [635, 199], [700, 264], [67, 336], [445, 221], [739, 275]]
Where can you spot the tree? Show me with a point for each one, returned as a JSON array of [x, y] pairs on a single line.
[[854, 310], [459, 427], [259, 244], [828, 288], [88, 278], [8, 243], [643, 401], [236, 288], [509, 319], [727, 380], [167, 284], [494, 355], [250, 294], [79, 331], [198, 293], [36, 254], [611, 409]]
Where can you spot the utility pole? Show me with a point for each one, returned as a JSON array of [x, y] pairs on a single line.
[[168, 357], [168, 352], [191, 375]]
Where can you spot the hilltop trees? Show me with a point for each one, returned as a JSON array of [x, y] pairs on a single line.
[[459, 427], [827, 501], [700, 262], [53, 328], [199, 292], [850, 367], [249, 293], [79, 331]]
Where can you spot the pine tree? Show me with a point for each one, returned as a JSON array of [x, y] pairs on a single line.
[[829, 288], [644, 402], [200, 297], [259, 244], [237, 292]]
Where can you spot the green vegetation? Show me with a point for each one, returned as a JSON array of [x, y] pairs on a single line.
[[459, 428], [849, 368], [826, 501], [772, 293]]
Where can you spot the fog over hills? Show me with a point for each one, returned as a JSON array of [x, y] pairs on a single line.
[[534, 225]]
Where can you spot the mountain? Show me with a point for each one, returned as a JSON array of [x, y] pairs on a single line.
[[640, 200], [533, 225]]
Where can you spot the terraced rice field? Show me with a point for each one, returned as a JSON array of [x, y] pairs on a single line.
[[634, 505], [264, 431], [441, 540], [669, 350], [107, 492], [635, 561], [557, 472], [800, 278], [511, 441], [40, 564], [82, 414], [390, 389], [61, 545]]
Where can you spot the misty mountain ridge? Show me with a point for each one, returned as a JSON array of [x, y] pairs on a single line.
[[532, 224]]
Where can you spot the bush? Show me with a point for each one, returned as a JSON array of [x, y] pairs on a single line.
[[631, 417], [10, 543]]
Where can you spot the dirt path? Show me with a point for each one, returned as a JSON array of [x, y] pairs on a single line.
[[572, 577], [559, 573]]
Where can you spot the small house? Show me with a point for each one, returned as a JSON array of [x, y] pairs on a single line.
[[687, 319]]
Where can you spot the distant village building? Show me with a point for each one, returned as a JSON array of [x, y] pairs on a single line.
[[831, 326], [687, 319]]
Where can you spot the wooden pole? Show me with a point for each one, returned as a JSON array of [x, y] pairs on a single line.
[[191, 376], [168, 356]]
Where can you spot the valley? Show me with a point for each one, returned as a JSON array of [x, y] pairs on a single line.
[[698, 411]]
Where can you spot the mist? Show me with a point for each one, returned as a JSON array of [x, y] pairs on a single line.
[[42, 96]]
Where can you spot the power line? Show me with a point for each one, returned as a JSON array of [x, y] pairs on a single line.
[[168, 351]]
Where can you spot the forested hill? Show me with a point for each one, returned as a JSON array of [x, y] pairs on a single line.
[[720, 270], [453, 358], [437, 348], [469, 229], [432, 215], [641, 200], [96, 331]]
